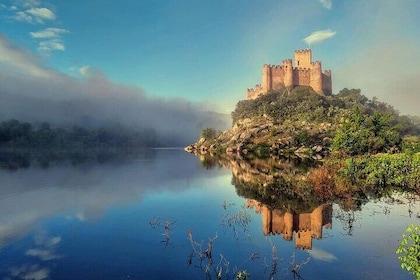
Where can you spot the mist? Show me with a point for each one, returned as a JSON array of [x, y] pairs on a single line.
[[384, 60], [86, 191], [32, 92]]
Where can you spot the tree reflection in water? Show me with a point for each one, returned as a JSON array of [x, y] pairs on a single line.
[[295, 200]]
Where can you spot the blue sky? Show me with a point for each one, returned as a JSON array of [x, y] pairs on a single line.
[[209, 52]]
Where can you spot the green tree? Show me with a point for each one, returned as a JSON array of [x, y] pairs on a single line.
[[362, 133], [208, 133], [352, 137]]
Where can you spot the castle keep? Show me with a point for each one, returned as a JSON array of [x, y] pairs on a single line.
[[304, 72]]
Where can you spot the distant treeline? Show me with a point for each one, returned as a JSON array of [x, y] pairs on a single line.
[[16, 134]]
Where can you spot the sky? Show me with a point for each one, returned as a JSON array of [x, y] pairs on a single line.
[[174, 55]]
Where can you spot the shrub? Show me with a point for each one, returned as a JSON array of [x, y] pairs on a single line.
[[409, 250]]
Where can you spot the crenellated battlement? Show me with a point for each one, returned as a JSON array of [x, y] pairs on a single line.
[[303, 51], [252, 93], [304, 72]]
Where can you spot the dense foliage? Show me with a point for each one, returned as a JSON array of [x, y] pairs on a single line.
[[357, 124], [361, 134], [15, 134], [402, 170]]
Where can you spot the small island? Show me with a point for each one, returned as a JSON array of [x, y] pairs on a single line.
[[293, 115]]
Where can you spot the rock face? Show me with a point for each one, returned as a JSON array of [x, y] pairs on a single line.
[[263, 136]]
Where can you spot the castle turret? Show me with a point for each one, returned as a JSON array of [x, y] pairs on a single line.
[[316, 77], [317, 222], [266, 216], [303, 58], [303, 239], [266, 78], [288, 226], [288, 72]]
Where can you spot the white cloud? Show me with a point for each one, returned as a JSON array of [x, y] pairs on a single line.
[[3, 6], [33, 272], [45, 255], [51, 45], [326, 3], [34, 15], [41, 14], [319, 36], [22, 16], [322, 255], [48, 33], [31, 3]]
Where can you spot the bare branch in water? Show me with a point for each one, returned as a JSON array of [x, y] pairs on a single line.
[[167, 225]]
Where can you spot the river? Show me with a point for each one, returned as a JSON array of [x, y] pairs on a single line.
[[161, 214]]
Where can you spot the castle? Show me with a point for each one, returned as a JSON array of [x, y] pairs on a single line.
[[303, 227], [303, 73]]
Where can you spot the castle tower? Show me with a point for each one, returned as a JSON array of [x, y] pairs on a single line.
[[266, 78], [288, 72], [266, 216], [303, 239], [277, 222], [288, 226], [316, 77], [317, 222], [303, 58]]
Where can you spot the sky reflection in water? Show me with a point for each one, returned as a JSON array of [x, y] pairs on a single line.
[[129, 219]]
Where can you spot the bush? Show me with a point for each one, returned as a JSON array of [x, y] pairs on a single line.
[[409, 250], [208, 133], [410, 144]]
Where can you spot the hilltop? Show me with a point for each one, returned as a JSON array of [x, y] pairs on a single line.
[[299, 122]]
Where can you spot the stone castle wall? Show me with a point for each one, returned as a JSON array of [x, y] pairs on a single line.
[[303, 72], [302, 227]]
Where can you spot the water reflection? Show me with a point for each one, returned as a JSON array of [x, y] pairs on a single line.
[[26, 158], [84, 191], [301, 227], [136, 214]]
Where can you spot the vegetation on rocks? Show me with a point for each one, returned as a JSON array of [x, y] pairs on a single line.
[[301, 123]]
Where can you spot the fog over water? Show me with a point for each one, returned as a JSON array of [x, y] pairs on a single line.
[[87, 190], [29, 91]]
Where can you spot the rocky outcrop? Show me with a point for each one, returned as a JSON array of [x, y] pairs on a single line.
[[263, 136]]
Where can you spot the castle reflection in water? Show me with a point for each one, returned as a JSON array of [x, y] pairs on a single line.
[[300, 227]]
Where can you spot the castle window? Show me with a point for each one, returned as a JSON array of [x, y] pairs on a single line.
[[298, 62]]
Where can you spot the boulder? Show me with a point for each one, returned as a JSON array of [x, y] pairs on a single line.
[[302, 152], [317, 148], [230, 150], [203, 149], [201, 141]]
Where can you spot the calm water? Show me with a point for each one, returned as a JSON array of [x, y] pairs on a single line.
[[130, 218]]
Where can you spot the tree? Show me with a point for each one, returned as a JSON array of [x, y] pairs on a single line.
[[352, 137], [362, 133], [208, 133]]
